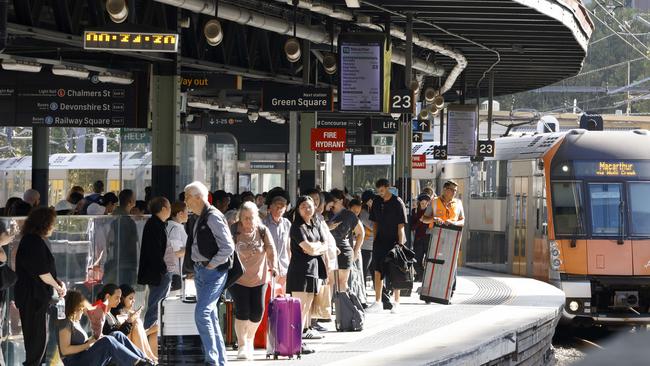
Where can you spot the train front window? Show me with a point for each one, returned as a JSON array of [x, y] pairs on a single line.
[[607, 209], [568, 214], [639, 208]]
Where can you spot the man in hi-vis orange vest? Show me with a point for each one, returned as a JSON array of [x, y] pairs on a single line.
[[446, 208]]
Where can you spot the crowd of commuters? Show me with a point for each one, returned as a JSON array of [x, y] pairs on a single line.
[[324, 242]]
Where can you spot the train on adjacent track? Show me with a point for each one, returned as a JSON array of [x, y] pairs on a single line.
[[571, 208]]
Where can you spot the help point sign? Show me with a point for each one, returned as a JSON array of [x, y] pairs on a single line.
[[328, 139]]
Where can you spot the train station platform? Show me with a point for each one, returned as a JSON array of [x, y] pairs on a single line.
[[493, 318]]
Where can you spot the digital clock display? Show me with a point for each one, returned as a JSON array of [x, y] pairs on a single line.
[[129, 41]]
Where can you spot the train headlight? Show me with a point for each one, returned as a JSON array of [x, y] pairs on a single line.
[[554, 252], [574, 306], [556, 264]]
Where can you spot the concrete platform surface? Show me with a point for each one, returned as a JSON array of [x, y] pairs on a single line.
[[493, 318]]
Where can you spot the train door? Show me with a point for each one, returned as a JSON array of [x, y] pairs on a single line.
[[639, 212], [608, 252], [520, 194]]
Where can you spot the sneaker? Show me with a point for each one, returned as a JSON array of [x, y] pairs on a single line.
[[374, 308], [311, 334], [306, 350], [241, 353], [250, 351], [317, 327], [395, 308]]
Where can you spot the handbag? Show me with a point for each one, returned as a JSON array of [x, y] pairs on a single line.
[[7, 277], [235, 272], [401, 273]]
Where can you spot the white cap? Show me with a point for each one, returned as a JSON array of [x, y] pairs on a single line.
[[95, 209], [63, 205]]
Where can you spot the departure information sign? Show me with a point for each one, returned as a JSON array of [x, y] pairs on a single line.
[[361, 60], [55, 101], [130, 41]]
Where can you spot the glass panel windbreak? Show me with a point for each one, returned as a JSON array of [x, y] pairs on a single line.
[[568, 212], [606, 209], [89, 252], [639, 208]]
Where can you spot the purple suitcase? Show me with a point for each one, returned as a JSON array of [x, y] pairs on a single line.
[[285, 328]]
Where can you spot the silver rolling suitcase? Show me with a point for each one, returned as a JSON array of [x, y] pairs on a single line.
[[179, 343], [440, 264]]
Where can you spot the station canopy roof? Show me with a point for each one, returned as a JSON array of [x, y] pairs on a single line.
[[536, 42], [539, 42]]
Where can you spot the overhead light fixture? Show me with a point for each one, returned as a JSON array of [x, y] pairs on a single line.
[[70, 71], [424, 114], [292, 49], [14, 65], [429, 95], [253, 116], [238, 109], [199, 104], [434, 110], [329, 63], [213, 32], [396, 116], [352, 3], [117, 10], [414, 85], [439, 101], [107, 77], [265, 114]]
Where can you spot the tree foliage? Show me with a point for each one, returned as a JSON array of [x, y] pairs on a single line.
[[606, 48]]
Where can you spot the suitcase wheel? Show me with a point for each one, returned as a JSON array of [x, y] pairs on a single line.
[[275, 357], [298, 356]]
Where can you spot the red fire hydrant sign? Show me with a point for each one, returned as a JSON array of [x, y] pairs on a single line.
[[328, 139], [419, 161]]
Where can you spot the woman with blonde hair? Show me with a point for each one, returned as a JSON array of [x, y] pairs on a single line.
[[256, 251]]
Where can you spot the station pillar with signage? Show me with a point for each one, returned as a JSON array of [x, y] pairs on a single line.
[[41, 162], [165, 132], [309, 164]]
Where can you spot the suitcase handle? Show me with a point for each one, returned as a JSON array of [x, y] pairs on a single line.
[[436, 261]]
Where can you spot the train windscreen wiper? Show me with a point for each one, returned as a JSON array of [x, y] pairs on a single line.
[[621, 227]]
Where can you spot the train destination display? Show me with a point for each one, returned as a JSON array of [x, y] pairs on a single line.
[[361, 59], [53, 101], [462, 124]]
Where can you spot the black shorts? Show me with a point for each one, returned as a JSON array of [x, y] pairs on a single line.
[[379, 254], [345, 258]]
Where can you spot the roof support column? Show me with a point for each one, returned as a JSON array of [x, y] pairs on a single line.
[[165, 133], [41, 162], [490, 101], [309, 165], [294, 140]]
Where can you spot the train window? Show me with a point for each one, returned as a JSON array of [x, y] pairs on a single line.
[[606, 209], [639, 208], [568, 213]]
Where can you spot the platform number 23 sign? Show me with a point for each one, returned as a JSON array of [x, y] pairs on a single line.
[[401, 101], [486, 148]]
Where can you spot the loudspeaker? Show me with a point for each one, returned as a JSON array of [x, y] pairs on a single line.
[[592, 122]]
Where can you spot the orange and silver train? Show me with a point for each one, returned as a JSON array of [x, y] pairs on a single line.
[[570, 208]]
